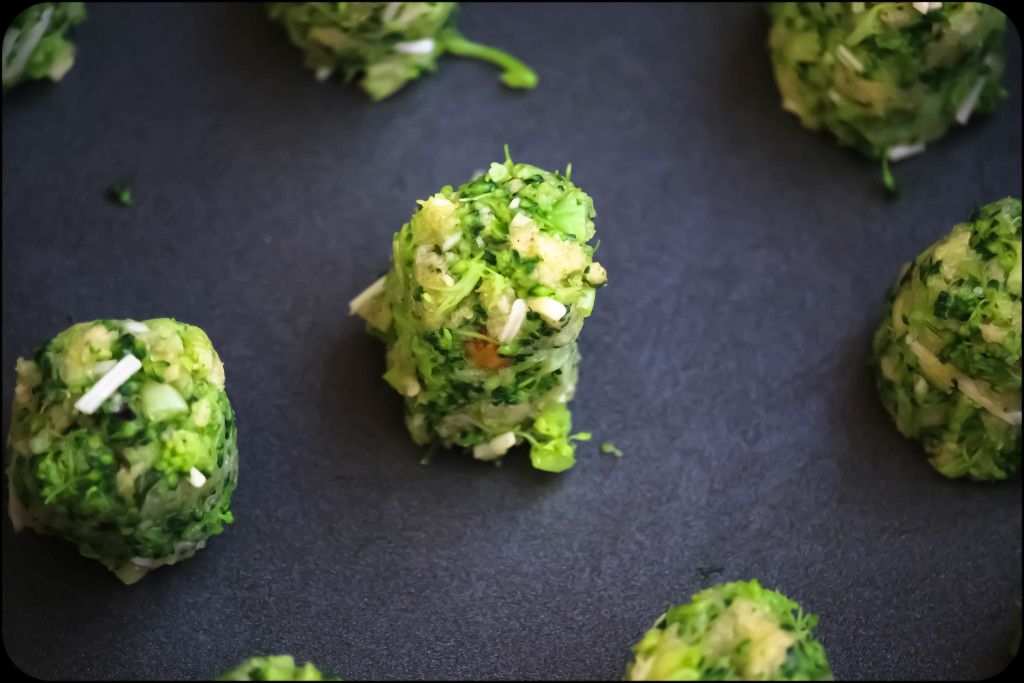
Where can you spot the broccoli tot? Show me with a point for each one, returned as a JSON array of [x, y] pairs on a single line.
[[34, 43], [482, 308], [887, 77], [732, 632], [384, 44], [277, 668], [123, 442], [948, 353]]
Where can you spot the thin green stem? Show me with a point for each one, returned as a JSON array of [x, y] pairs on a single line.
[[517, 74], [887, 177]]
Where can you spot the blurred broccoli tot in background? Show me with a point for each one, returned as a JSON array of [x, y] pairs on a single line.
[[123, 442], [277, 668], [384, 44], [948, 352], [887, 77], [34, 44], [732, 632]]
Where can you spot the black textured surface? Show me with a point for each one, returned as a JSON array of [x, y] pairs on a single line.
[[748, 259]]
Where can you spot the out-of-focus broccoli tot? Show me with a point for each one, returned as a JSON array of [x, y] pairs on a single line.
[[887, 77], [123, 442], [275, 668], [732, 632], [948, 352], [34, 44], [383, 45], [482, 308]]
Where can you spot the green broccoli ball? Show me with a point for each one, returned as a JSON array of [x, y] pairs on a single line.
[[482, 308], [123, 442], [732, 632], [887, 77], [34, 43], [384, 44], [948, 353], [279, 668]]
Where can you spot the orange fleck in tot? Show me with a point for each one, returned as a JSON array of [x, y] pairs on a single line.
[[483, 353]]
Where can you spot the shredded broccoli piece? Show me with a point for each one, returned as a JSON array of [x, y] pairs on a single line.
[[35, 45], [383, 45]]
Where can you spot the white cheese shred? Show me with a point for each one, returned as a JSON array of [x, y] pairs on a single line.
[[108, 384], [548, 308], [963, 113], [390, 12], [370, 292], [13, 69], [416, 47], [848, 58], [516, 316], [969, 388], [495, 448], [965, 385], [133, 327], [196, 478], [451, 241], [898, 152]]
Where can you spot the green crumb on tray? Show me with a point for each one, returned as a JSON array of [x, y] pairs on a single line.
[[482, 309], [610, 449], [947, 355], [383, 45], [732, 632], [274, 668], [120, 193], [123, 442]]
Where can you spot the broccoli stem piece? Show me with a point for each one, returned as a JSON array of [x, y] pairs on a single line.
[[887, 178], [517, 74]]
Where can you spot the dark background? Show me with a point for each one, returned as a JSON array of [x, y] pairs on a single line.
[[747, 259]]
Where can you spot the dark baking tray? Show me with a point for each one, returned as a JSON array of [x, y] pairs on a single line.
[[748, 259]]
